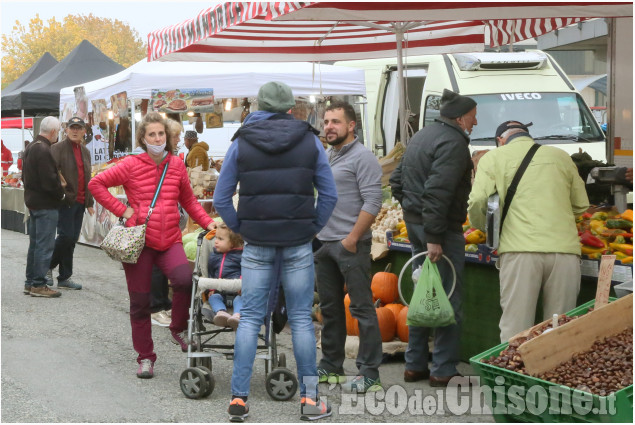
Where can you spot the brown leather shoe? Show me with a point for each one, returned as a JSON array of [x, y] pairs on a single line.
[[442, 381], [44, 291], [415, 375]]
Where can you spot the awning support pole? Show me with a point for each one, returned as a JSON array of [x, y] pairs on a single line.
[[403, 125], [22, 116]]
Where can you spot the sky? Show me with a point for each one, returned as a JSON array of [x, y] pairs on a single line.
[[143, 15]]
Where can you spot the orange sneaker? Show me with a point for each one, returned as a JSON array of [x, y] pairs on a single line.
[[311, 410]]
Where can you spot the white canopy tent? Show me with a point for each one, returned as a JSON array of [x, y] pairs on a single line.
[[227, 79]]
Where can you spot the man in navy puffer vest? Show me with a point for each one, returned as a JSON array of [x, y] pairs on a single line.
[[278, 162]]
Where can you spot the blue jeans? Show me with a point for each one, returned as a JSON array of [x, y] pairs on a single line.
[[69, 226], [217, 302], [41, 225], [446, 339], [297, 277]]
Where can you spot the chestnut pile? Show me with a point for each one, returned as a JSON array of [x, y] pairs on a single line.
[[510, 358], [605, 368]]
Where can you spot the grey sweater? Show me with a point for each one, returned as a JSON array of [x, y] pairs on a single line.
[[358, 180]]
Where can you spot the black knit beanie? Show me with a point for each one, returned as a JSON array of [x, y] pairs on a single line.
[[454, 105]]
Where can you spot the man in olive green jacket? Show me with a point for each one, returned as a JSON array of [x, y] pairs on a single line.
[[539, 247]]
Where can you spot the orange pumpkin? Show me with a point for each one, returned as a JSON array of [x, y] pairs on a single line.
[[395, 308], [387, 323], [385, 286], [402, 328], [352, 324]]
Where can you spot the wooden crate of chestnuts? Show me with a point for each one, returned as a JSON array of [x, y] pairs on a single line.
[[594, 385]]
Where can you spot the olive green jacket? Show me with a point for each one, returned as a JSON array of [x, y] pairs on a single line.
[[541, 217]]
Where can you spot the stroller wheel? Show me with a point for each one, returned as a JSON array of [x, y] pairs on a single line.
[[282, 360], [211, 382], [281, 384], [193, 382], [206, 362]]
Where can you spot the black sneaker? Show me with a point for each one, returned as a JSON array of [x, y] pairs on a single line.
[[27, 289], [238, 410], [311, 410]]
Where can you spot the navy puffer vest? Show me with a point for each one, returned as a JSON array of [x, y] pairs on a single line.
[[276, 164]]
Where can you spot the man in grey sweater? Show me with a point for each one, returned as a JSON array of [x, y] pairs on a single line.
[[344, 256]]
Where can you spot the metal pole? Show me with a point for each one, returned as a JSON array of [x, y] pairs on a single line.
[[22, 116], [403, 132], [133, 122], [511, 43]]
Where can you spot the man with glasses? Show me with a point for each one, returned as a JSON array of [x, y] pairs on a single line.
[[73, 163]]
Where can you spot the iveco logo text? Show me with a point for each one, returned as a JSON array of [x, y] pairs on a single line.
[[520, 96]]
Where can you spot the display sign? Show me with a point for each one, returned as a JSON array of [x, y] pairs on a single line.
[[100, 111], [81, 101], [182, 100], [604, 280], [119, 104], [98, 146]]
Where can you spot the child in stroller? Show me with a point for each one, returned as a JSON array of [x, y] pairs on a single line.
[[224, 263]]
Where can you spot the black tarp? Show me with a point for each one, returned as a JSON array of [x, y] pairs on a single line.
[[45, 63], [85, 63]]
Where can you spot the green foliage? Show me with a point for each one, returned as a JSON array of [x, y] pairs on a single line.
[[25, 45]]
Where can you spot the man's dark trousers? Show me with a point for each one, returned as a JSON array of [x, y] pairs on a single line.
[[334, 267], [69, 226], [446, 339]]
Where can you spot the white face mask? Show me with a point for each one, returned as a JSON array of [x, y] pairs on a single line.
[[154, 149]]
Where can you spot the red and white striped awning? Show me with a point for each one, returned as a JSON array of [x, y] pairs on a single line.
[[506, 31], [329, 31]]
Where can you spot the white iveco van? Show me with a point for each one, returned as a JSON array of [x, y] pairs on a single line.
[[526, 86]]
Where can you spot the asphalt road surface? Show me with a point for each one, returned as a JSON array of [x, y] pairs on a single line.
[[71, 359]]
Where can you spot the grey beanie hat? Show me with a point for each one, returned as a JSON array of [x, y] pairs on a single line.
[[191, 134], [454, 105], [275, 97]]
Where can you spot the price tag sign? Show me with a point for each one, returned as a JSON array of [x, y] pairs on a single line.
[[604, 280]]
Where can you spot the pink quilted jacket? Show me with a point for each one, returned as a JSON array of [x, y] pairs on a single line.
[[139, 176]]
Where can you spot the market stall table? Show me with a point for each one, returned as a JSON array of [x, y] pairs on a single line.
[[14, 212], [481, 292]]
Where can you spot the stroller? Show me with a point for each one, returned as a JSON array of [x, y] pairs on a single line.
[[196, 380]]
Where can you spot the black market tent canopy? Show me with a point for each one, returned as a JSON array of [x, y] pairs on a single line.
[[45, 63], [85, 63]]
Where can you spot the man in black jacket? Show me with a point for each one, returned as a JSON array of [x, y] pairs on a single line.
[[432, 183], [73, 161], [43, 194]]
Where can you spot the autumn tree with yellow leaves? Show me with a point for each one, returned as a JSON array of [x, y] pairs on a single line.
[[24, 46]]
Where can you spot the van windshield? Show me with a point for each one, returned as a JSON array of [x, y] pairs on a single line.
[[557, 117]]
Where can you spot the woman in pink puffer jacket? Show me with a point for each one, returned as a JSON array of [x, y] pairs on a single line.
[[139, 175]]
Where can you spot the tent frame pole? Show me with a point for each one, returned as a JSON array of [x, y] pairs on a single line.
[[403, 125], [133, 123], [22, 116]]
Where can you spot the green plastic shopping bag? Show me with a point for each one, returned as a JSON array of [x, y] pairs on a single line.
[[430, 306]]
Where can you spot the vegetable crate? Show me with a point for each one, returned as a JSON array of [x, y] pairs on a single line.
[[513, 390]]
